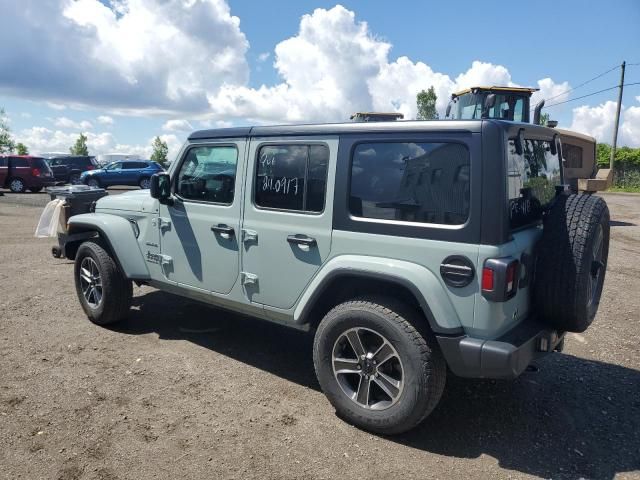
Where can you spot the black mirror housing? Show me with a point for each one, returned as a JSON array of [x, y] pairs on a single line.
[[161, 186]]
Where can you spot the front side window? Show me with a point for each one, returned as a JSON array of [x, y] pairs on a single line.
[[531, 180], [208, 174], [292, 177], [115, 166], [411, 182]]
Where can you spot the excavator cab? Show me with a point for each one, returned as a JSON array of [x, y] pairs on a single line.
[[504, 103], [514, 103]]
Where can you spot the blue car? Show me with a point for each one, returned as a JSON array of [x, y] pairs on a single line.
[[125, 172]]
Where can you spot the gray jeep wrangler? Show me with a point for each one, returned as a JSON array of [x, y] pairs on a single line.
[[410, 248]]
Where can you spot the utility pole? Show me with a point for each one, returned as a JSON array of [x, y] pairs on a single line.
[[615, 130]]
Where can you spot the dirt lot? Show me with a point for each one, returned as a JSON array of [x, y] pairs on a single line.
[[184, 391]]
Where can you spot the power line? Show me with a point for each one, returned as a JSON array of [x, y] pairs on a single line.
[[591, 94], [582, 84]]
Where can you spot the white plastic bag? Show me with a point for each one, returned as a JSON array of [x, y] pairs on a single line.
[[52, 220]]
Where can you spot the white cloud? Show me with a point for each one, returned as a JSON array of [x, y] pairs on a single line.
[[64, 122], [140, 55], [25, 115], [630, 128], [42, 139], [595, 121], [177, 125], [550, 91], [105, 120], [56, 106], [263, 57], [599, 122]]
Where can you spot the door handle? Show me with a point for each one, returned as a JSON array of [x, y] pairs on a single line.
[[225, 231], [302, 240]]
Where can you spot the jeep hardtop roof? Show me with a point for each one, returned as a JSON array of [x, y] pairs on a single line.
[[473, 126]]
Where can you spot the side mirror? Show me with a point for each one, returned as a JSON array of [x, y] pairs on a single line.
[[448, 112], [489, 103], [161, 187], [553, 146]]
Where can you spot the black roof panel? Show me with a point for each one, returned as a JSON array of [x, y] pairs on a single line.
[[338, 128]]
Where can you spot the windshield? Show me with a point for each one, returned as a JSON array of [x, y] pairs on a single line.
[[466, 107], [531, 180], [507, 106]]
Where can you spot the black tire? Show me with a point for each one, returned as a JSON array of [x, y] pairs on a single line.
[[116, 291], [93, 182], [74, 178], [56, 252], [422, 364], [145, 183], [17, 185], [36, 189], [571, 262]]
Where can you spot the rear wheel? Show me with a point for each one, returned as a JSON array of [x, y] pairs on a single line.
[[376, 368], [145, 183], [103, 289], [74, 178], [16, 185], [35, 189]]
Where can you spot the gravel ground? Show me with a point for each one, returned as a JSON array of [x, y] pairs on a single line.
[[184, 391]]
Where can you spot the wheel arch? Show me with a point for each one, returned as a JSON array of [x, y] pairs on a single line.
[[337, 283], [126, 251]]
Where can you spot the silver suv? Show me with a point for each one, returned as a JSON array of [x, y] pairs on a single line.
[[410, 249]]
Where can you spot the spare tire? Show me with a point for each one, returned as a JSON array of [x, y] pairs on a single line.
[[571, 262]]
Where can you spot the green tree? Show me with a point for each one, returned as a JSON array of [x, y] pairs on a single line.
[[544, 119], [21, 149], [80, 147], [426, 101], [160, 152], [6, 141]]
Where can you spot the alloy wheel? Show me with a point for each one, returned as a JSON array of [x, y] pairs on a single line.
[[90, 282], [368, 368]]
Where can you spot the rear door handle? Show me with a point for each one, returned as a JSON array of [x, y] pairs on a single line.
[[225, 231], [302, 240]]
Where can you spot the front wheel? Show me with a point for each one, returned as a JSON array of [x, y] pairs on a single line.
[[145, 183], [103, 289], [92, 182], [377, 368]]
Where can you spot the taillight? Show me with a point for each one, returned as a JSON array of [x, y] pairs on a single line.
[[487, 279], [35, 172], [500, 278], [90, 167]]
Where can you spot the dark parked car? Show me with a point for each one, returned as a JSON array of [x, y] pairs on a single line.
[[23, 172], [68, 168], [126, 172]]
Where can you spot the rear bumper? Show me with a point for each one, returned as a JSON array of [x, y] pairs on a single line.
[[505, 357], [38, 182]]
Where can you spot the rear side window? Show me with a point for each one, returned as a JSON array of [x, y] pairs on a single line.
[[19, 162], [3, 162], [292, 177], [39, 163], [531, 180], [411, 182]]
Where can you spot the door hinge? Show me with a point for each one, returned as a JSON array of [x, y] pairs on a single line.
[[161, 223], [249, 235], [249, 278]]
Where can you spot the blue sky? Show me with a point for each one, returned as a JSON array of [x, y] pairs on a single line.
[[126, 71]]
